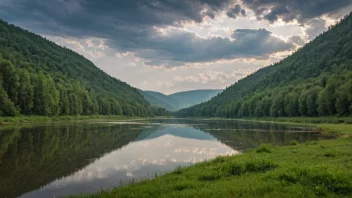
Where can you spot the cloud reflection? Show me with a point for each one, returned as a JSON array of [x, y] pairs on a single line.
[[160, 151]]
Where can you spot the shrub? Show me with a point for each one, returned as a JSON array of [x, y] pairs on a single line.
[[293, 142], [330, 154], [219, 159], [264, 148], [180, 187], [209, 177], [178, 171], [251, 167], [311, 142], [259, 166], [235, 169]]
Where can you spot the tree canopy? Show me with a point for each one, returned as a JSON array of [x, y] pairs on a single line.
[[38, 77]]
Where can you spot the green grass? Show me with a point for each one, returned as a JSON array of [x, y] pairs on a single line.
[[312, 120], [44, 119], [338, 129], [312, 169]]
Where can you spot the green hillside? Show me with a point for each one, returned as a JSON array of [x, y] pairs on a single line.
[[161, 100], [314, 81], [38, 77], [179, 100]]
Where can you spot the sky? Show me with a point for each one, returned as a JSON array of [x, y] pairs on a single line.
[[176, 45]]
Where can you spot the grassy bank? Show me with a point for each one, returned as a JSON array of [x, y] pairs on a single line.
[[312, 120], [313, 169], [44, 119], [333, 125], [293, 120]]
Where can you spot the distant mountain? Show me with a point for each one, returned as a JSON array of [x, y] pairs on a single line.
[[38, 77], [183, 132], [190, 98], [316, 80], [180, 100], [162, 100]]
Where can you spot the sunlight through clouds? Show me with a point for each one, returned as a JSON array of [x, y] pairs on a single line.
[[183, 44]]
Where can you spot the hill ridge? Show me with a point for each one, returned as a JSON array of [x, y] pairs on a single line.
[[38, 77], [179, 100]]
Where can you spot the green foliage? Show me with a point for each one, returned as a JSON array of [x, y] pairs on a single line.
[[321, 180], [250, 167], [294, 142], [38, 77], [314, 81], [10, 120], [178, 171], [264, 148], [7, 106], [209, 177]]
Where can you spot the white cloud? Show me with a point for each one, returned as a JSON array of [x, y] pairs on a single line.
[[144, 70]]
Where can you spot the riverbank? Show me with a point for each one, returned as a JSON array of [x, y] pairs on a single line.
[[48, 119], [340, 126], [312, 169]]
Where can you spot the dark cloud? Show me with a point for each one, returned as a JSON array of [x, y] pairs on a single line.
[[307, 12], [236, 11], [289, 10], [134, 26], [175, 47], [86, 17]]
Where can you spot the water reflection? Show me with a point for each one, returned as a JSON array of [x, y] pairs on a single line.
[[59, 160]]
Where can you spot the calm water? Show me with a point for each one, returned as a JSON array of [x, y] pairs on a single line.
[[67, 159]]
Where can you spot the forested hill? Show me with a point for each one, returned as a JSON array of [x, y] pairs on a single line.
[[161, 100], [179, 100], [193, 97], [314, 81], [38, 77]]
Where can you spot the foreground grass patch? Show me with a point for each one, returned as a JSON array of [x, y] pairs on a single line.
[[314, 169], [253, 166], [322, 180]]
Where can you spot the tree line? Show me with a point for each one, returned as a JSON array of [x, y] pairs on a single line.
[[313, 81], [38, 77], [323, 97]]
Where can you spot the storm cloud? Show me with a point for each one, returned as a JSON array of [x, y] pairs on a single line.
[[175, 47], [152, 30], [235, 12], [289, 10], [147, 28], [103, 18], [306, 13]]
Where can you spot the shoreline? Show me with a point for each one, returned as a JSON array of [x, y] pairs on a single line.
[[313, 169], [24, 120]]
